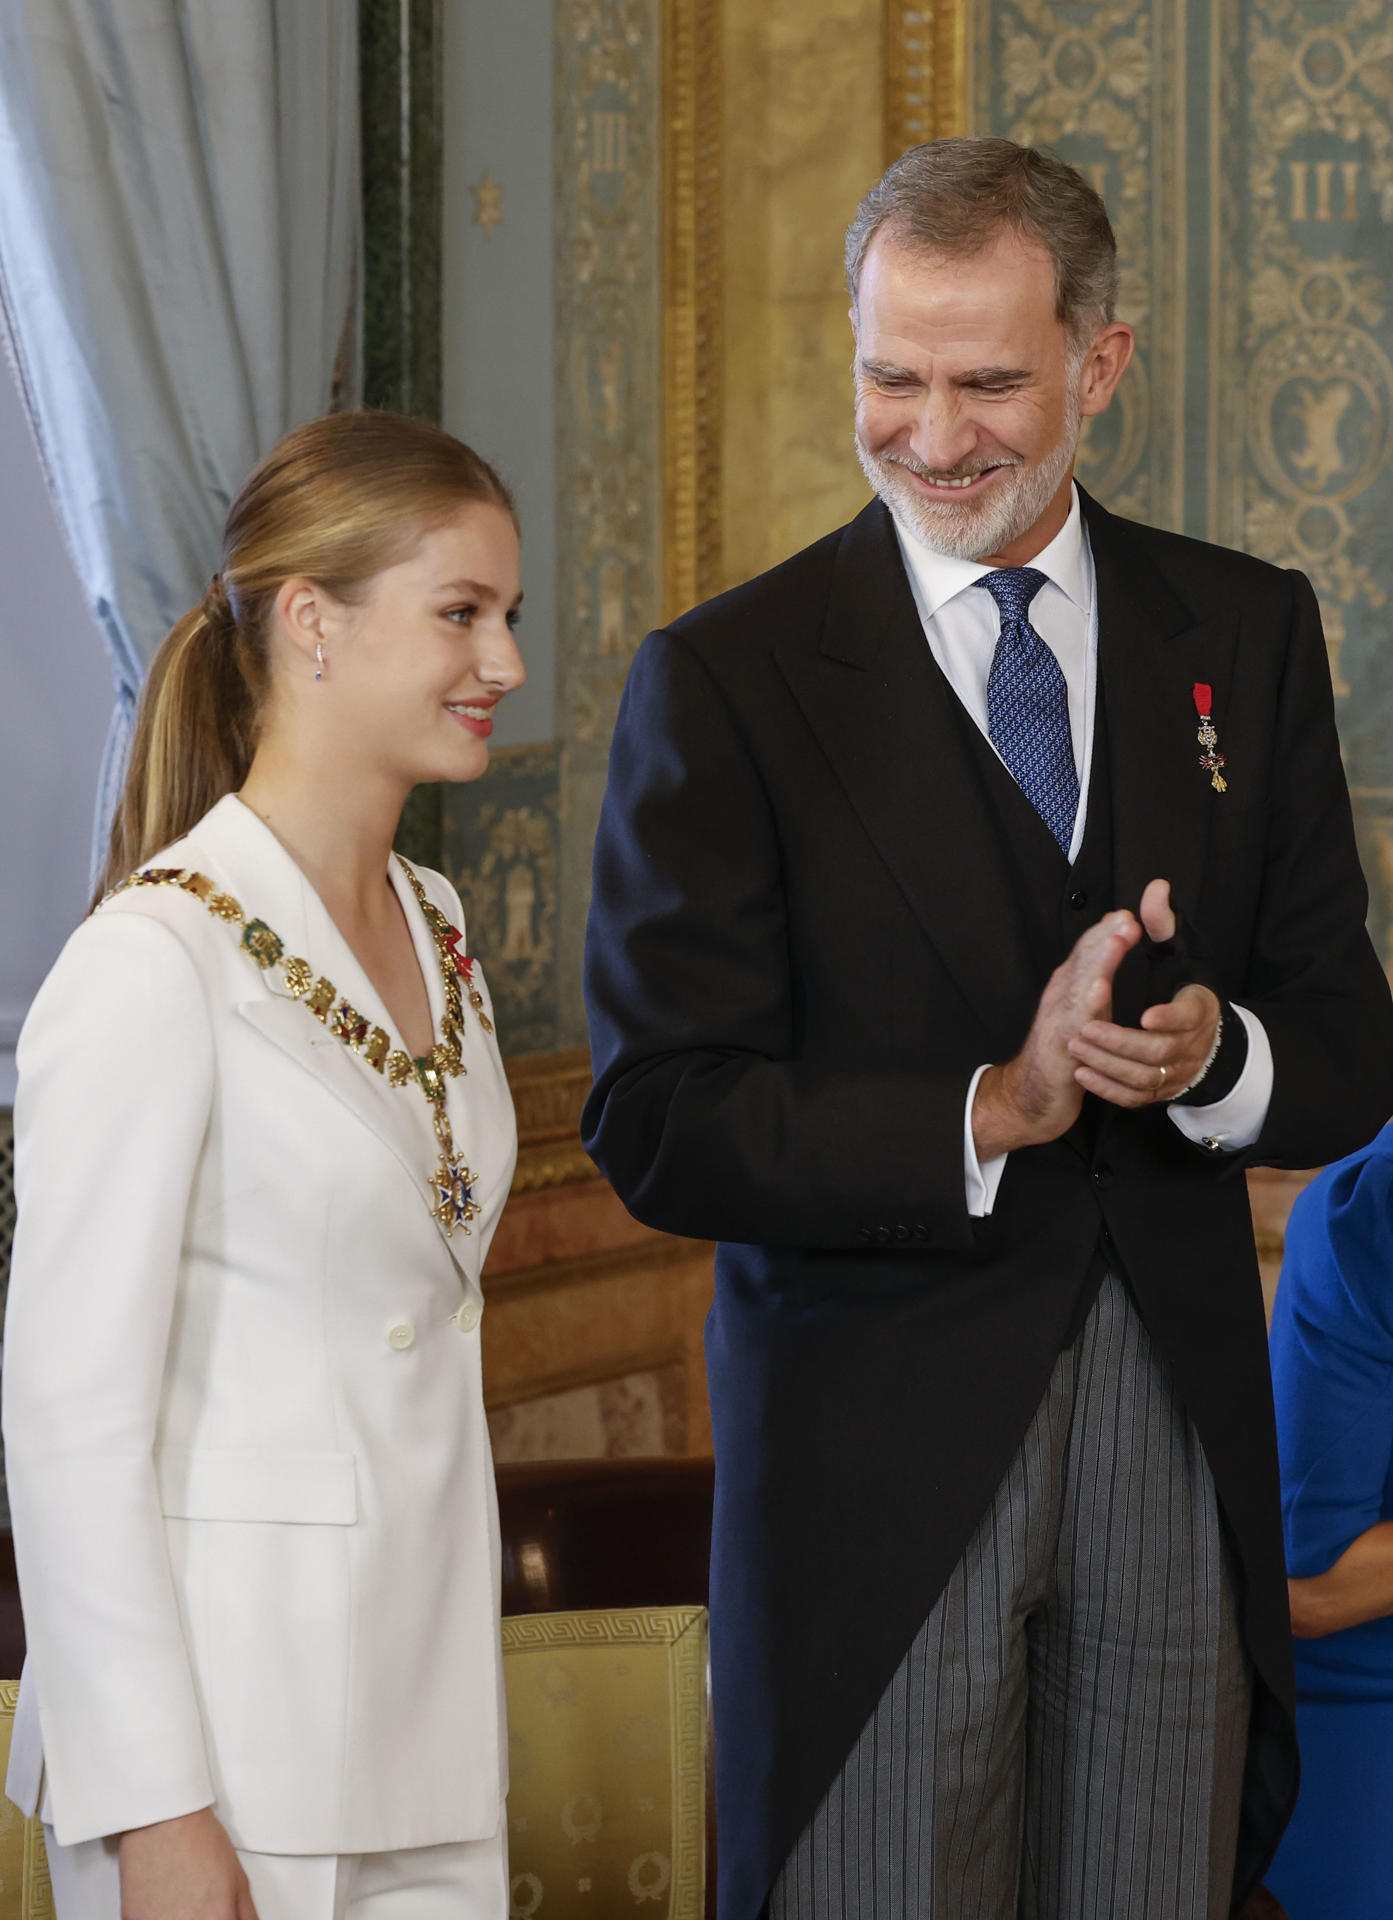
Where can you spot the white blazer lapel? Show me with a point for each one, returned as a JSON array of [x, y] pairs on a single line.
[[269, 886], [287, 1024]]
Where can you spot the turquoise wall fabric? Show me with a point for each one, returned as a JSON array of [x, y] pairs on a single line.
[[1245, 151]]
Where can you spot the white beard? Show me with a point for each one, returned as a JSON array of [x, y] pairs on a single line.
[[970, 531]]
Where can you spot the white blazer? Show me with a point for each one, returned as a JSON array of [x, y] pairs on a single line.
[[252, 1492]]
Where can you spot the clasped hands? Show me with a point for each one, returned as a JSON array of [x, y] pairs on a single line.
[[1074, 1047]]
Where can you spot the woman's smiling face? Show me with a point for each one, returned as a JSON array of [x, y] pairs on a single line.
[[415, 668]]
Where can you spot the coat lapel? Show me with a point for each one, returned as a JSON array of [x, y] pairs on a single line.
[[1153, 648], [257, 869], [892, 729], [366, 1095]]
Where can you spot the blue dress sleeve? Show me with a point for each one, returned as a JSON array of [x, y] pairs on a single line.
[[1332, 1358]]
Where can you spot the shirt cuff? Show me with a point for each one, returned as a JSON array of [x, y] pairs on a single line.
[[980, 1180], [1235, 1121]]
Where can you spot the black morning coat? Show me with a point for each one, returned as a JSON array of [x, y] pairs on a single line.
[[807, 932]]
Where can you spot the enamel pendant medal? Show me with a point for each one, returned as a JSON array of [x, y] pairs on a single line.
[[1211, 759]]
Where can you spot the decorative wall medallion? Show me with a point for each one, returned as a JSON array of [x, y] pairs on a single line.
[[525, 1896], [488, 204], [650, 1876], [582, 1818]]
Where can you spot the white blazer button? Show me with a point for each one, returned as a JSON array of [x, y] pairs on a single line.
[[402, 1336], [469, 1316]]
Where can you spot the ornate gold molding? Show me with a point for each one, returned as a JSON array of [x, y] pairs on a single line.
[[926, 76], [549, 1091], [691, 302]]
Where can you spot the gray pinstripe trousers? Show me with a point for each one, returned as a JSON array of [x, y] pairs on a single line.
[[1065, 1738]]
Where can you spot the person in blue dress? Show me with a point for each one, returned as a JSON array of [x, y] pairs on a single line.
[[1332, 1373]]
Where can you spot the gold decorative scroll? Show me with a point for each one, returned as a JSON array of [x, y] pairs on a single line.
[[691, 302], [548, 1092], [926, 72]]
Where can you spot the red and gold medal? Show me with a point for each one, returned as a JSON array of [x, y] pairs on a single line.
[[1211, 759]]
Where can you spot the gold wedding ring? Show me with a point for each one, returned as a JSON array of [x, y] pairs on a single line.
[[1162, 1081]]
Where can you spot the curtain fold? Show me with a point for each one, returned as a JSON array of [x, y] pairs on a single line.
[[179, 270]]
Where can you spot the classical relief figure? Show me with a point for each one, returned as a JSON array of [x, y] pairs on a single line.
[[519, 907]]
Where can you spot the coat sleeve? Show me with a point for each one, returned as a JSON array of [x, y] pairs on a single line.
[[116, 1077], [1332, 1362], [1313, 978], [702, 1116]]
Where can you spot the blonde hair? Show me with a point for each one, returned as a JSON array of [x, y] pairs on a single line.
[[337, 500]]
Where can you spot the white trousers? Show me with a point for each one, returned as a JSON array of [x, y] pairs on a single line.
[[467, 1880]]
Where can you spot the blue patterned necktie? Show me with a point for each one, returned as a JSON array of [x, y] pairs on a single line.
[[1028, 705]]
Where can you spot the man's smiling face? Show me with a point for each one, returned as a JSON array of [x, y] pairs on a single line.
[[969, 393]]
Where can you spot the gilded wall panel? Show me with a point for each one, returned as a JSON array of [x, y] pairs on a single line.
[[802, 134]]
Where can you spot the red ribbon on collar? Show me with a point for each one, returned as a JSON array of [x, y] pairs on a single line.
[[464, 964]]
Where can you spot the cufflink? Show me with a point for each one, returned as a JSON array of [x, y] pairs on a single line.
[[1212, 1144]]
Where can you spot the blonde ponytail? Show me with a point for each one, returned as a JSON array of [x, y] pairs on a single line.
[[337, 501], [194, 738]]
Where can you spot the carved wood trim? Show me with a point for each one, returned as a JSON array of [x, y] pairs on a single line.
[[549, 1091]]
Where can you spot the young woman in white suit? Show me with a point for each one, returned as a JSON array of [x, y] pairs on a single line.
[[263, 1139]]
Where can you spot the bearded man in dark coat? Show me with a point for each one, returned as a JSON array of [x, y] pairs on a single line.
[[976, 897]]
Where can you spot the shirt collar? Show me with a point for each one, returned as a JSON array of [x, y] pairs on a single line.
[[941, 578]]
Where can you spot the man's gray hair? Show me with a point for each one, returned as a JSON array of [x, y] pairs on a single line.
[[953, 197]]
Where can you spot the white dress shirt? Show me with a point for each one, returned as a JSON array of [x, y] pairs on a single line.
[[963, 624]]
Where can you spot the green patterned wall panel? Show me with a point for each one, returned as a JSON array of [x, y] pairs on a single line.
[[1104, 85], [502, 850], [1303, 299], [608, 458], [1245, 150]]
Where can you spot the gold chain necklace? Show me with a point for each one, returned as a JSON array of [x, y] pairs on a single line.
[[452, 1183]]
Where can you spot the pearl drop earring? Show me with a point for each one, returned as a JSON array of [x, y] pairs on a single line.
[[319, 657]]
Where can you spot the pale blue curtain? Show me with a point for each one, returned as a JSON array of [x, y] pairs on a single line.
[[179, 249]]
